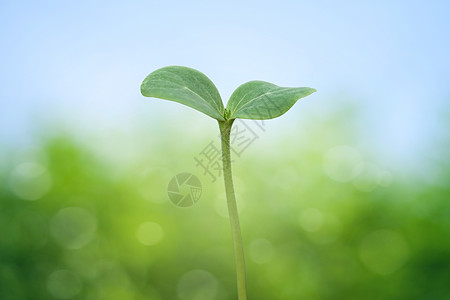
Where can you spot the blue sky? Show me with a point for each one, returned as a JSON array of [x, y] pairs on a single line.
[[81, 62]]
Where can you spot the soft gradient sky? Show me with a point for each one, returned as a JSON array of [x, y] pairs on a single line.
[[80, 63]]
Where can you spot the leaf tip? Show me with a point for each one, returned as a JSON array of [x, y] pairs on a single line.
[[310, 91], [143, 88]]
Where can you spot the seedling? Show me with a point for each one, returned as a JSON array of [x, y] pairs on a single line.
[[257, 100]]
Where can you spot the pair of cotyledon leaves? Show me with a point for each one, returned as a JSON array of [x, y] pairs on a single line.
[[257, 100]]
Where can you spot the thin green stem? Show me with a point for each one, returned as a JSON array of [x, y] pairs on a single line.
[[225, 130]]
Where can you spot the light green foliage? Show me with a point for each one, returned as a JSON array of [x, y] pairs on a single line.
[[253, 100], [312, 258], [261, 100], [186, 86], [257, 100]]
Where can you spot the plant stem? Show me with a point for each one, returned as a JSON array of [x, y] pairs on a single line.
[[225, 130]]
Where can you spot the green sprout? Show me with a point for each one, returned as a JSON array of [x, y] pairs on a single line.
[[257, 100]]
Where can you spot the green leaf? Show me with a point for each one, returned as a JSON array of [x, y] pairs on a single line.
[[261, 100], [186, 86]]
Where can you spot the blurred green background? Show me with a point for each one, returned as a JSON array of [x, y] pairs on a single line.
[[344, 197]]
